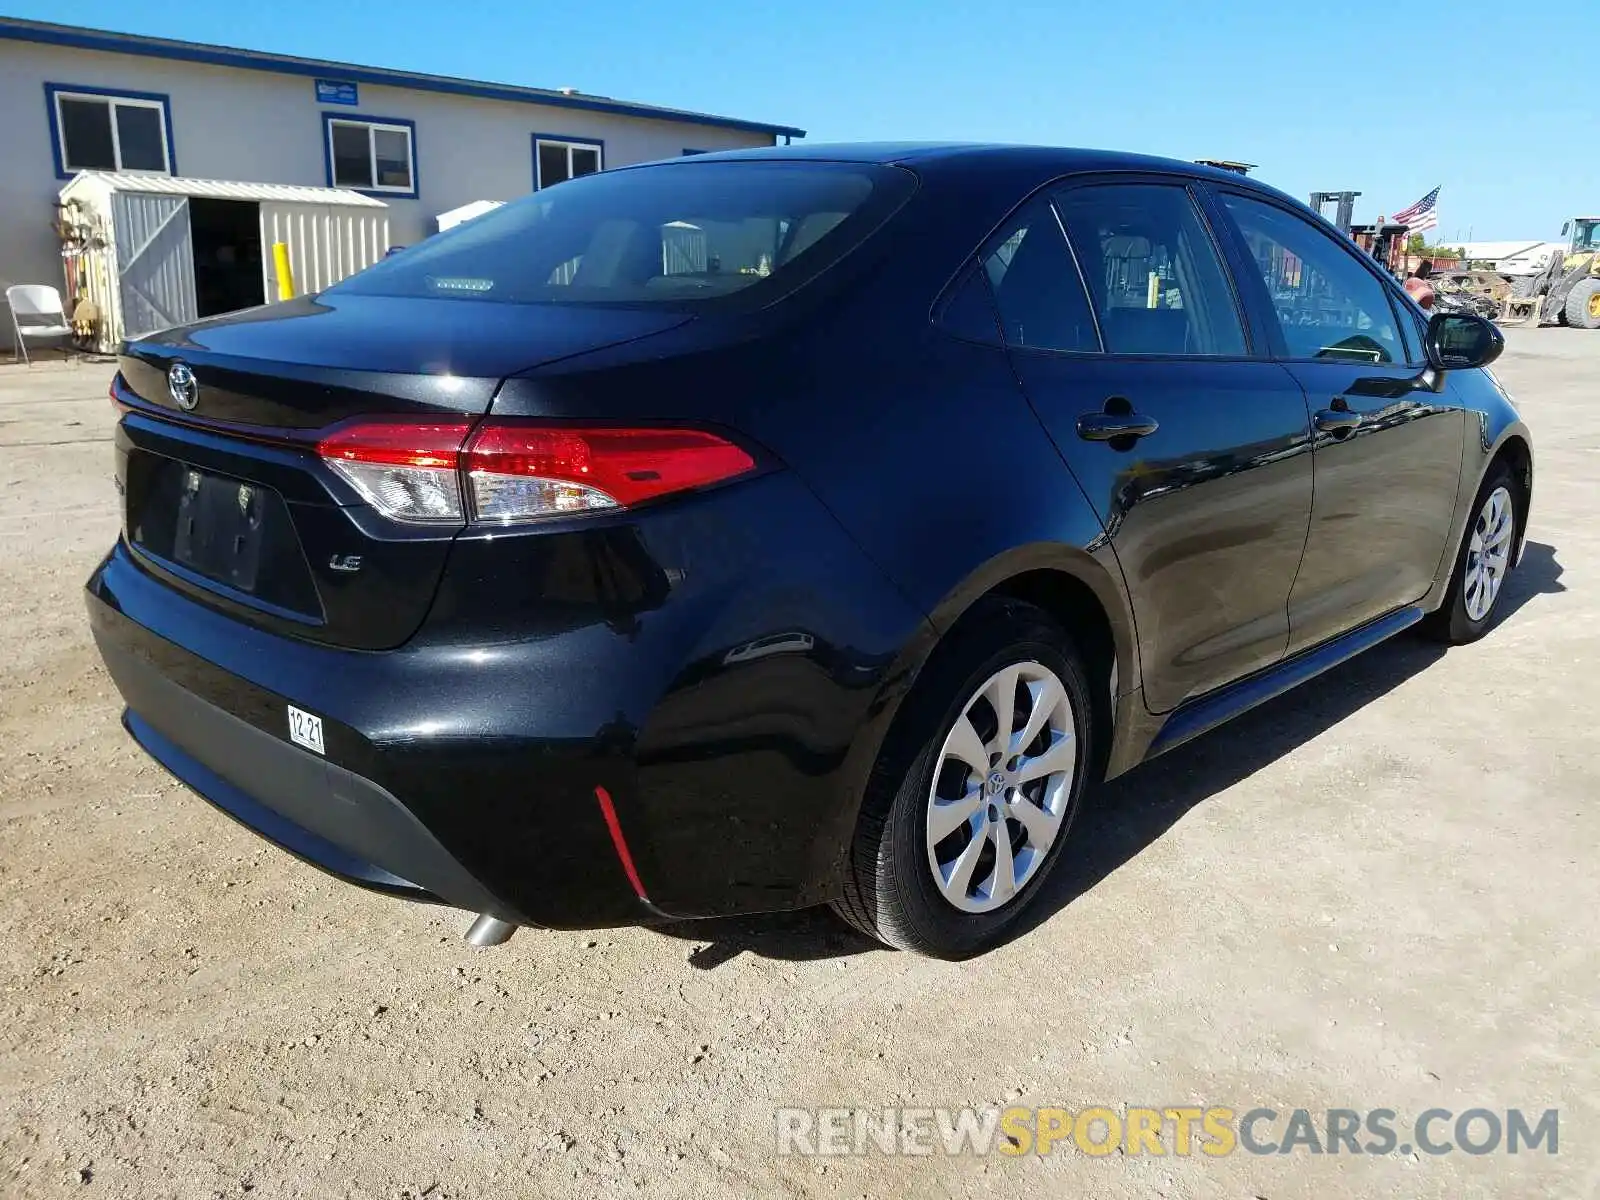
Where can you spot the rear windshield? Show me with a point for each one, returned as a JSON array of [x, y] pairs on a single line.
[[679, 234]]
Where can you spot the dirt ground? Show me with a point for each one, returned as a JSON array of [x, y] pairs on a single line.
[[1377, 892]]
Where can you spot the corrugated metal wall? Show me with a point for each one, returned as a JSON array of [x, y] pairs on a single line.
[[155, 261], [143, 279], [326, 242]]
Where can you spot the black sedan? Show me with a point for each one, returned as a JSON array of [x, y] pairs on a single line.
[[775, 528]]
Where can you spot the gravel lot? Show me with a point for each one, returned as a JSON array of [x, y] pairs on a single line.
[[1374, 893]]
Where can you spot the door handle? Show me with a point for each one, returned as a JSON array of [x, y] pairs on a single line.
[[1336, 420], [1109, 426]]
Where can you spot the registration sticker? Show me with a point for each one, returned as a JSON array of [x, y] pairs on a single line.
[[305, 729]]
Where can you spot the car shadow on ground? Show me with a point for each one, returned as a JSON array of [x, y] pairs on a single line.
[[1130, 813]]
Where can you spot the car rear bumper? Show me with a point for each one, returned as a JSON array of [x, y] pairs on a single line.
[[450, 840], [318, 811], [690, 745]]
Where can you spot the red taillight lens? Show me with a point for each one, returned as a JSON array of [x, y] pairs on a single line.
[[515, 470], [519, 470], [407, 470]]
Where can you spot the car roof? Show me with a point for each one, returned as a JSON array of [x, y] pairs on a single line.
[[1020, 162], [1065, 158]]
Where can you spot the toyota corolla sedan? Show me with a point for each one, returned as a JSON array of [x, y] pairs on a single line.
[[788, 527]]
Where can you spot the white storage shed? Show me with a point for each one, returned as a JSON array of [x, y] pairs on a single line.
[[153, 251]]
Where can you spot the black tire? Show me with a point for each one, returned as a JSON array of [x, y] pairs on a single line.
[[889, 891], [1523, 286], [1580, 307], [1451, 622]]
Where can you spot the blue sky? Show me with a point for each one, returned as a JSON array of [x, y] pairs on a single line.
[[1323, 97]]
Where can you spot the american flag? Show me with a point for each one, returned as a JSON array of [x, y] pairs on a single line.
[[1421, 215]]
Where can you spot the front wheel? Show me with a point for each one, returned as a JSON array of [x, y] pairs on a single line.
[[1583, 304], [1482, 563], [976, 787]]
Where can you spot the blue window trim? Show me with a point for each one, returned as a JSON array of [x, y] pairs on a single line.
[[58, 151], [253, 60], [353, 118], [569, 139]]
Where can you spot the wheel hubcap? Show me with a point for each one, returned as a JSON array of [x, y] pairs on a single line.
[[1594, 306], [1000, 788], [1488, 554]]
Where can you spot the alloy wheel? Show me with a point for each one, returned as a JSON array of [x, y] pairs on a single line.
[[1001, 787], [1488, 554]]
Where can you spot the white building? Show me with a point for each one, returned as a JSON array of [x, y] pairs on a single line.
[[1514, 258], [80, 99]]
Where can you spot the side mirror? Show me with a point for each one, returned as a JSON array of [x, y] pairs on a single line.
[[1460, 341], [1565, 225]]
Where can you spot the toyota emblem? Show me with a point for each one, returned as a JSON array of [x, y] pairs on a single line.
[[181, 386]]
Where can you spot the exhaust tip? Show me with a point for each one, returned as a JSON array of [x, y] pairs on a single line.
[[489, 931]]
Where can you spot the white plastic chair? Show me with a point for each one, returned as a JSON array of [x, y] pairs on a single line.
[[36, 312]]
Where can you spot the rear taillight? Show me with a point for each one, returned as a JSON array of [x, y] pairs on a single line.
[[519, 471], [408, 470], [510, 471]]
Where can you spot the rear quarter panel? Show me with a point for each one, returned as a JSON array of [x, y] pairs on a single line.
[[923, 448]]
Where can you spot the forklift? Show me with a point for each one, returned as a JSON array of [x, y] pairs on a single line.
[[1385, 241]]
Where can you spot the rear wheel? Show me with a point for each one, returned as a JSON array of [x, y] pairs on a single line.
[[1524, 285], [974, 793], [1583, 304], [1482, 563]]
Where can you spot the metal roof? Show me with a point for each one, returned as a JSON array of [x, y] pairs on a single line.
[[15, 29], [173, 185]]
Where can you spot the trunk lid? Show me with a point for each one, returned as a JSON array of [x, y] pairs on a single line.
[[224, 494], [308, 363]]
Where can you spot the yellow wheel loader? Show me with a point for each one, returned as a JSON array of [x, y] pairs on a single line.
[[1567, 291]]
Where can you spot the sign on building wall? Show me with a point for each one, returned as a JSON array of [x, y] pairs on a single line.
[[336, 91]]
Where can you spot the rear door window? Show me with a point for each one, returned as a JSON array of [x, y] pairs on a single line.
[[1154, 274], [1036, 285], [681, 234], [1329, 306]]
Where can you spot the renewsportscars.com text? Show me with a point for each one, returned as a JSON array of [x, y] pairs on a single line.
[[1179, 1130]]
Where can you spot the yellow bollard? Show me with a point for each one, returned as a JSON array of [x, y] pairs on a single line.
[[280, 260]]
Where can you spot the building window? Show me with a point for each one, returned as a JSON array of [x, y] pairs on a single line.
[[371, 154], [97, 130], [557, 159]]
